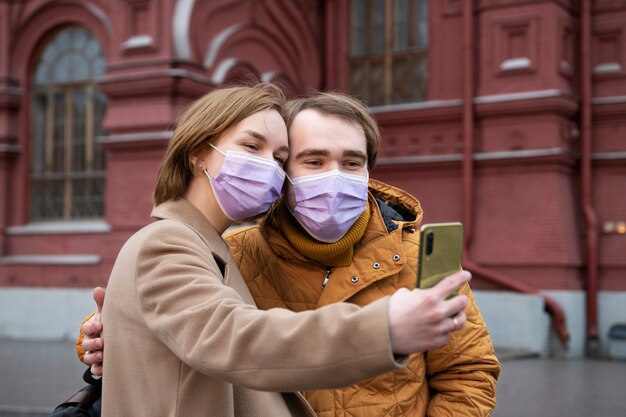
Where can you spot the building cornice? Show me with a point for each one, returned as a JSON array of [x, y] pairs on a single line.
[[481, 156]]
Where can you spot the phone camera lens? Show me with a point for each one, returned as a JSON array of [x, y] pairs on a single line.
[[430, 238]]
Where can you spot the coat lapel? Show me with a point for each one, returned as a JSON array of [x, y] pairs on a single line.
[[183, 211]]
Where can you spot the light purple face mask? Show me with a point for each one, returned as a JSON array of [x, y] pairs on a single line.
[[246, 185], [328, 204]]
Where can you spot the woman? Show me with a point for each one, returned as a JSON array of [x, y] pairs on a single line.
[[183, 336]]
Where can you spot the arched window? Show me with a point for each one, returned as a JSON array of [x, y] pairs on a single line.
[[389, 50], [67, 169]]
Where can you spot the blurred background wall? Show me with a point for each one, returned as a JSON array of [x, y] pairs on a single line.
[[507, 115]]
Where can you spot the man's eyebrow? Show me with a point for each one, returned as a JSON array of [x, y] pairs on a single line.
[[312, 152], [355, 153]]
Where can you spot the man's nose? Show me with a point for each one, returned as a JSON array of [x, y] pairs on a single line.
[[332, 165]]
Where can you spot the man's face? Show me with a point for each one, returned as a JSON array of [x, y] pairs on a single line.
[[319, 143]]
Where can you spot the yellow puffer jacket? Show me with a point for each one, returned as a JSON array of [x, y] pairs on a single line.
[[458, 379]]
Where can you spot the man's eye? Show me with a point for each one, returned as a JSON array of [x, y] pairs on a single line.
[[353, 164]]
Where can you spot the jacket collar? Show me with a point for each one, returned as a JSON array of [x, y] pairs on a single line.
[[182, 210], [400, 201]]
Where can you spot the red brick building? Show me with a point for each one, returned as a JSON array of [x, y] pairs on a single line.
[[508, 115]]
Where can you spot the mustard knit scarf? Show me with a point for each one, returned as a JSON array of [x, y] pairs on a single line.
[[328, 254]]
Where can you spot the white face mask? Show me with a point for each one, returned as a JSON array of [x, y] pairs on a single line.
[[246, 185], [328, 204]]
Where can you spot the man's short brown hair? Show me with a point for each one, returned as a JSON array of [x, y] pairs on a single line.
[[344, 107]]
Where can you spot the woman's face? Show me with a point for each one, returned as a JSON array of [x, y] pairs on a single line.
[[262, 134]]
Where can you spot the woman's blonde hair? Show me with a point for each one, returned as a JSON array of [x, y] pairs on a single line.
[[203, 123], [346, 108]]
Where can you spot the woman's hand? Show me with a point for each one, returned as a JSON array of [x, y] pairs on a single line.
[[421, 320]]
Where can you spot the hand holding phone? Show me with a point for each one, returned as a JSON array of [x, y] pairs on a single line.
[[441, 247]]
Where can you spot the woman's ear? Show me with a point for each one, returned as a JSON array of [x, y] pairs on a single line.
[[196, 163]]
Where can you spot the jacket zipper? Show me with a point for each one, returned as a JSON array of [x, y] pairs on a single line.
[[326, 278]]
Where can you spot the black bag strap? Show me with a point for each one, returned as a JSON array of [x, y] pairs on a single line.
[[85, 402], [88, 378], [86, 397]]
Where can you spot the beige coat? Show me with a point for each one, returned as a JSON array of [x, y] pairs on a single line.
[[457, 379], [184, 338]]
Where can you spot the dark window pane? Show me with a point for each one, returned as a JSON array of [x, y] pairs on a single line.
[[79, 36], [63, 40], [384, 74], [41, 74], [400, 25], [87, 198], [93, 49], [47, 200], [376, 82], [98, 67], [62, 67], [58, 139], [72, 55], [359, 80], [80, 68], [357, 25], [422, 23], [378, 45], [99, 111], [409, 74], [67, 175], [78, 131], [40, 106]]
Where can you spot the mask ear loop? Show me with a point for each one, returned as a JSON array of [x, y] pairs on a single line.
[[211, 145], [201, 166], [287, 197]]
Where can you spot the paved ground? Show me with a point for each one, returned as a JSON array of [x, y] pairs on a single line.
[[35, 376], [560, 388]]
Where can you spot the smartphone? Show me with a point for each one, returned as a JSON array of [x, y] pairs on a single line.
[[441, 246]]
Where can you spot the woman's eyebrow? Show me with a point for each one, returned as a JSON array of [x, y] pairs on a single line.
[[263, 139], [256, 134]]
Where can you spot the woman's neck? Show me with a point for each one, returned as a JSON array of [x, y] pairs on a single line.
[[200, 195]]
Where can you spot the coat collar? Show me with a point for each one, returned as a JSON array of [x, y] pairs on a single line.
[[182, 210]]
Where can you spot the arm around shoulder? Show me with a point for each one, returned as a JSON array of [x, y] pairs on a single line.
[[80, 352]]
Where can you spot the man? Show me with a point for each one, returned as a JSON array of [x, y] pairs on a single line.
[[331, 240]]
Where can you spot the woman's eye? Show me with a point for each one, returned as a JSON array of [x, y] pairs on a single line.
[[252, 146], [280, 160]]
